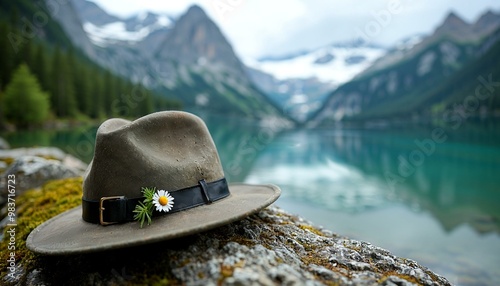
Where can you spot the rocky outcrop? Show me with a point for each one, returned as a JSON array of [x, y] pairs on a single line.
[[32, 167], [47, 152], [276, 248], [268, 248], [32, 172]]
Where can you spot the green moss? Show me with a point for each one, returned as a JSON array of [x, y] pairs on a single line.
[[238, 239], [226, 271], [408, 278], [331, 283], [35, 207], [48, 157], [311, 229], [7, 160]]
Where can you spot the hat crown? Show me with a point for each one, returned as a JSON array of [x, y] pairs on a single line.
[[169, 150]]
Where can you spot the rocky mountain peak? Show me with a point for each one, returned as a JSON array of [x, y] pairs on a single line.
[[196, 11], [454, 19], [487, 22], [453, 25], [196, 39], [458, 29], [487, 17], [91, 12]]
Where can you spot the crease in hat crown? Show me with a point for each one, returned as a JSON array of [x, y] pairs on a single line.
[[168, 150]]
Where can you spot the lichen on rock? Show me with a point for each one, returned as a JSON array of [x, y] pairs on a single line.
[[268, 248]]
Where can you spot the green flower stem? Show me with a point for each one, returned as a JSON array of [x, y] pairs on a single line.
[[144, 210]]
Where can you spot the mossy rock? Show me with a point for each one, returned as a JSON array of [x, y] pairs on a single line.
[[33, 208], [8, 160], [269, 248], [5, 163]]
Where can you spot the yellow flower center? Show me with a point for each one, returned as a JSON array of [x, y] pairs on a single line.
[[163, 200]]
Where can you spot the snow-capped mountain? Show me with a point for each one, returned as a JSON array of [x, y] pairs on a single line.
[[133, 29], [124, 45], [103, 28], [186, 57], [421, 77], [299, 82]]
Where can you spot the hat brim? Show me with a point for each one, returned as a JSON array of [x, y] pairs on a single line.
[[68, 233]]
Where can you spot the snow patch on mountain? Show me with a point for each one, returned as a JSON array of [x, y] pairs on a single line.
[[334, 64], [409, 42], [122, 30], [114, 31]]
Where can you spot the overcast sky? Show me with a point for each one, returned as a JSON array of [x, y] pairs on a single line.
[[272, 27]]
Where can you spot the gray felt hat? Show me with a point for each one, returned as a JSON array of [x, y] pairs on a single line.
[[171, 151]]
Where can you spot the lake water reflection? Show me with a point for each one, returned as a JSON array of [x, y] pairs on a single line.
[[443, 213]]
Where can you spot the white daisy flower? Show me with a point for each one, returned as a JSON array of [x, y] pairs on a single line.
[[163, 201]]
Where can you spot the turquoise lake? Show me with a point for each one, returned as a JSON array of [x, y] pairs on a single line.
[[425, 192]]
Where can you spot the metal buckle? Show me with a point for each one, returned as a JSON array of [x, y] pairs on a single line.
[[101, 209]]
